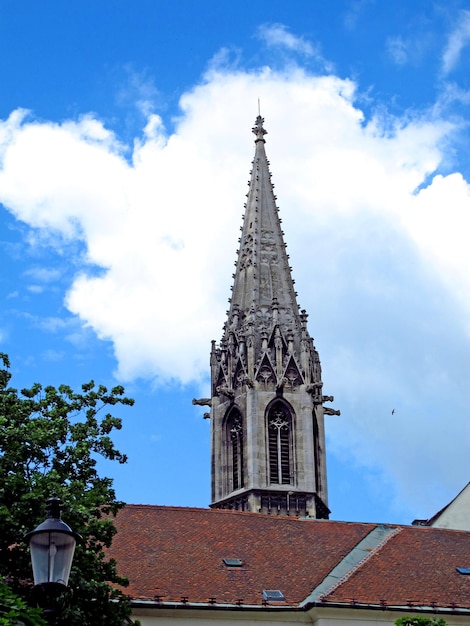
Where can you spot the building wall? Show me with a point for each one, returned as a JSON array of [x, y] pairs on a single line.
[[317, 616], [457, 514]]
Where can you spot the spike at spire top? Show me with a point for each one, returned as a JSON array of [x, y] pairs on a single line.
[[258, 129]]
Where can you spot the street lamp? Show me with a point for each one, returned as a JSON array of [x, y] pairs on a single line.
[[52, 546]]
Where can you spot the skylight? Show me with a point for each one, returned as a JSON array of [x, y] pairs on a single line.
[[233, 562], [273, 595]]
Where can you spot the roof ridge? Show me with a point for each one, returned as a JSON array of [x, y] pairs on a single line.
[[292, 518], [213, 511], [165, 506]]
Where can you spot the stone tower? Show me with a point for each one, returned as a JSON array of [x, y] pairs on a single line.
[[267, 413]]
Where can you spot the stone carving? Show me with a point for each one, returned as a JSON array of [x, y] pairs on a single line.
[[225, 391], [236, 428], [278, 420], [328, 411], [266, 375], [202, 402], [314, 387], [280, 383], [292, 377], [246, 380], [278, 340]]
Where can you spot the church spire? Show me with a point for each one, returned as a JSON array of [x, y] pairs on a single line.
[[267, 427], [263, 276]]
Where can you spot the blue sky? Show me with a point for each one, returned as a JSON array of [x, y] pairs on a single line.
[[125, 148]]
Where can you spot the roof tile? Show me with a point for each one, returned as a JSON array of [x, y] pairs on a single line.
[[173, 553]]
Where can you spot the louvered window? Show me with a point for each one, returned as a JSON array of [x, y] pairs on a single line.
[[279, 436], [235, 427]]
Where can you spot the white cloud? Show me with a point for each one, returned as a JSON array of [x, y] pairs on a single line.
[[35, 289], [353, 13], [459, 38], [73, 186], [51, 324], [397, 49], [377, 241], [139, 91], [53, 355], [43, 274], [277, 36]]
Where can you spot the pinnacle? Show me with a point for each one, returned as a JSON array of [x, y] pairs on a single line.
[[258, 129]]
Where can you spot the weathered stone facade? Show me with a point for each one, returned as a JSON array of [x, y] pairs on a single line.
[[267, 414]]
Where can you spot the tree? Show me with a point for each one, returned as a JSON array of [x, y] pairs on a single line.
[[50, 442], [420, 621], [14, 610]]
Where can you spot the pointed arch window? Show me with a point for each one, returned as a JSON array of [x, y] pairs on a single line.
[[279, 444], [235, 436]]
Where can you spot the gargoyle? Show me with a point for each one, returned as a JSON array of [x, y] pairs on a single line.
[[226, 391], [202, 402], [328, 411], [313, 387]]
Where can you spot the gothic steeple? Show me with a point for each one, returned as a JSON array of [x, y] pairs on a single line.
[[267, 426], [263, 271]]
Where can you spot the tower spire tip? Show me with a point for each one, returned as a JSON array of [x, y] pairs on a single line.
[[258, 128]]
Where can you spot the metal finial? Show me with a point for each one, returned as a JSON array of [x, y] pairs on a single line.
[[53, 507], [258, 129]]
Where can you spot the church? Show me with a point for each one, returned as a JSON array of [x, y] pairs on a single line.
[[265, 550]]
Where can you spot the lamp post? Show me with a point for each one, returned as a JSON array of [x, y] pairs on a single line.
[[52, 546]]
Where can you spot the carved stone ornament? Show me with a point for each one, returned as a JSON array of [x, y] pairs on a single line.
[[202, 402]]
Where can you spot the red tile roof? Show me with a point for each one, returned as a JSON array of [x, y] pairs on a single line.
[[417, 566], [175, 553]]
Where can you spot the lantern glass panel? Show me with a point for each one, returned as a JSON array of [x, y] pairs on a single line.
[[51, 557]]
